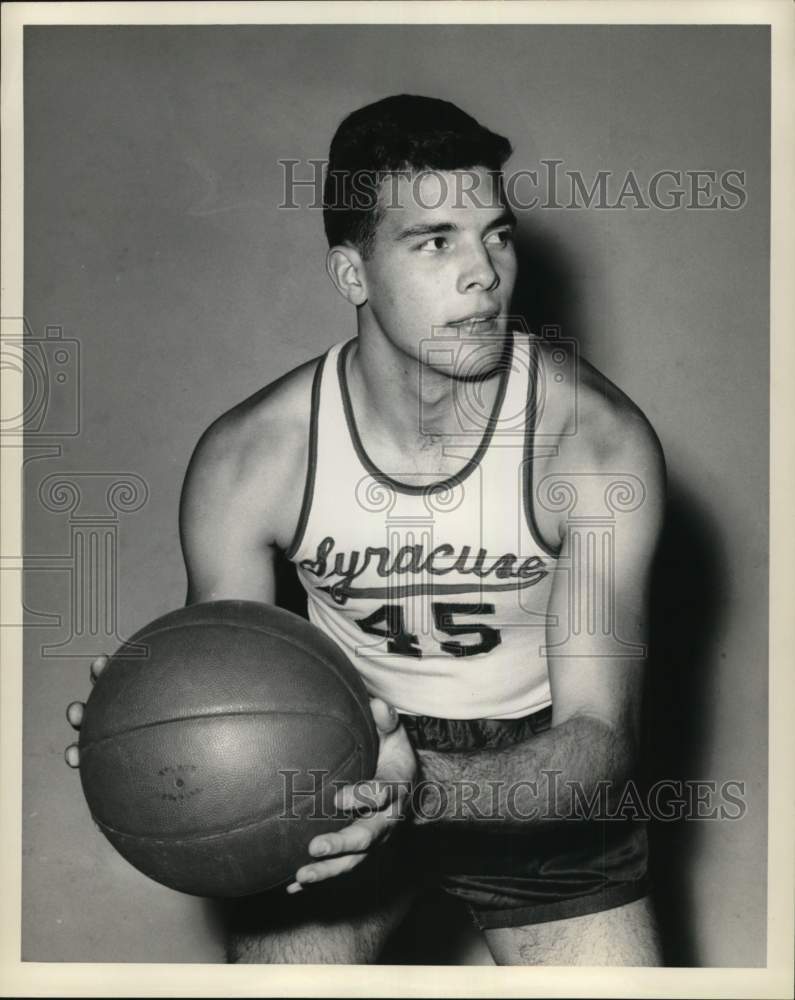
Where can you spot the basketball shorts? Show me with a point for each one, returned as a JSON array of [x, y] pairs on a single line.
[[509, 878], [506, 878]]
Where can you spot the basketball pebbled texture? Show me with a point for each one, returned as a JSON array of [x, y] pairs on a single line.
[[181, 749]]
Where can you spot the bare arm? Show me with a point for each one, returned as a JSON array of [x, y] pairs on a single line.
[[228, 539], [596, 676]]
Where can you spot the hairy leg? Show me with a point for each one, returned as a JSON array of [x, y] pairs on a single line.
[[356, 939], [624, 936], [345, 920]]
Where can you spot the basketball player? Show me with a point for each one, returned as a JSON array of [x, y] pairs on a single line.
[[429, 478]]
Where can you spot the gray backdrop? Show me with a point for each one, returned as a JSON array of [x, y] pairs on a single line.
[[153, 241]]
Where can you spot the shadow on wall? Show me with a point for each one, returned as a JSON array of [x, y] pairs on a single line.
[[545, 293], [688, 593]]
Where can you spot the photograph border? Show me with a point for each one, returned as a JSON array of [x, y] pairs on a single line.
[[19, 978]]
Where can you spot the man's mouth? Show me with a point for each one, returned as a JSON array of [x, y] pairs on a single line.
[[477, 322]]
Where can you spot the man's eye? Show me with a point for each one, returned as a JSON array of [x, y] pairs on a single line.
[[500, 238], [434, 243]]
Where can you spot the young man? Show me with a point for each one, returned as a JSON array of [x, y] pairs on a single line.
[[476, 534]]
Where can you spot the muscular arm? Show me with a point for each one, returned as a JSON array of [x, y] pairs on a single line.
[[528, 783], [596, 674], [242, 492], [227, 542]]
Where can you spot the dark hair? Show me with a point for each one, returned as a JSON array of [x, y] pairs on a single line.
[[405, 133]]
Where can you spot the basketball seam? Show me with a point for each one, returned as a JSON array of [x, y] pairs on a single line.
[[141, 636], [210, 715], [138, 638], [182, 839]]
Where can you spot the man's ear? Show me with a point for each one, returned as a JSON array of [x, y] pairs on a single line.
[[344, 266]]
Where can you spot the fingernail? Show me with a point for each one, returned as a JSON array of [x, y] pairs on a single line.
[[309, 877], [321, 848], [293, 888]]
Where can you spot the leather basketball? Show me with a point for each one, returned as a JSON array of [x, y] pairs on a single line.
[[200, 739]]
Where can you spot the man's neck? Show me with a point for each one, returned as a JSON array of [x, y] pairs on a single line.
[[412, 404]]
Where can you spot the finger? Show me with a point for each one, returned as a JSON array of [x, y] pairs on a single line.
[[72, 755], [327, 869], [97, 666], [385, 716], [74, 714], [359, 836]]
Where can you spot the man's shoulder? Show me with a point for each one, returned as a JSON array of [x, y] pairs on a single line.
[[605, 443], [251, 462], [607, 457], [268, 427], [602, 427]]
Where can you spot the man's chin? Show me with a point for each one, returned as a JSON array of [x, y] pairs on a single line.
[[467, 355]]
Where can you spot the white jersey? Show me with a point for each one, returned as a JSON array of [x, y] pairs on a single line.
[[438, 593]]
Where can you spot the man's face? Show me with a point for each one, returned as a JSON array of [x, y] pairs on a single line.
[[443, 260]]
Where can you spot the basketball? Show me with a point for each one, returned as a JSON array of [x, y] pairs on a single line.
[[214, 741]]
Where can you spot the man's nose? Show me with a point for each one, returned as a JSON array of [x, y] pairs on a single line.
[[477, 272]]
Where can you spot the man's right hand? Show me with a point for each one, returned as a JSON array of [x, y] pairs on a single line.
[[74, 712]]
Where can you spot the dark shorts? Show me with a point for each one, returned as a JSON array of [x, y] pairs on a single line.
[[509, 879], [506, 879]]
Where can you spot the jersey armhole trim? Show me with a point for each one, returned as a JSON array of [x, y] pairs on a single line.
[[533, 372], [311, 465]]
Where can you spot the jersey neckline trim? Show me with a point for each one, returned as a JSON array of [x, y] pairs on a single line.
[[457, 477]]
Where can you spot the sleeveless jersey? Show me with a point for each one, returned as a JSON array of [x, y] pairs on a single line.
[[437, 592]]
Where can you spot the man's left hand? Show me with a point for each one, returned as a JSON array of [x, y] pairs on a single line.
[[379, 803]]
